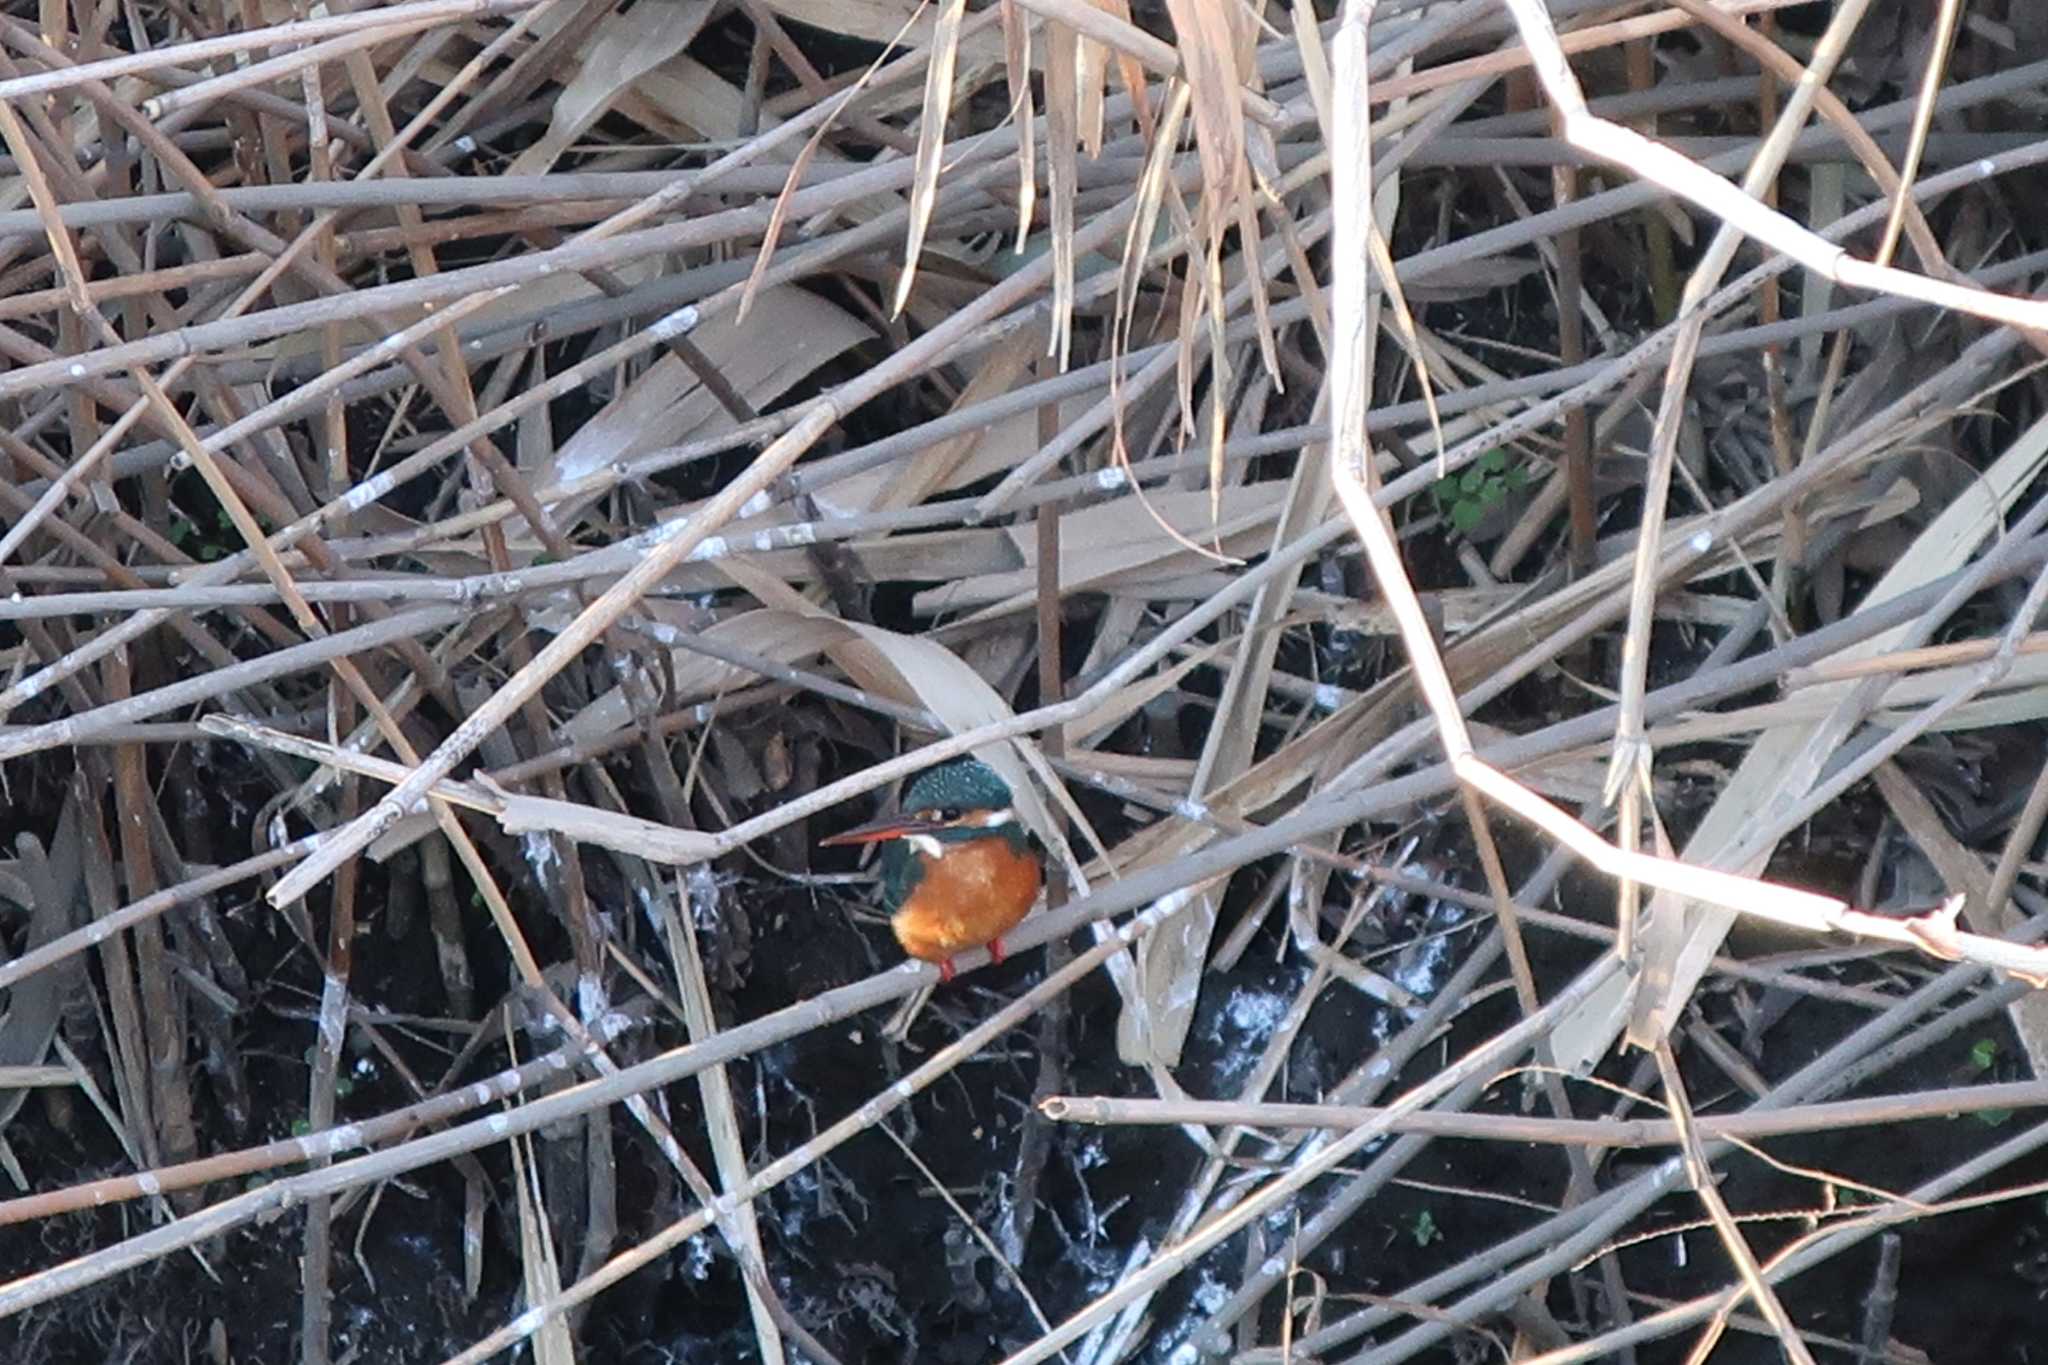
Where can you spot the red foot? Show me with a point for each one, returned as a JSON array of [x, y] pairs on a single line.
[[995, 951], [945, 969]]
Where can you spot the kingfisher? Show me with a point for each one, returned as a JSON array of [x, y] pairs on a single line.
[[958, 869]]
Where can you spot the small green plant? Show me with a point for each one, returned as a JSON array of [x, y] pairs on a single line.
[[1468, 495], [1423, 1229], [1983, 1056], [203, 544]]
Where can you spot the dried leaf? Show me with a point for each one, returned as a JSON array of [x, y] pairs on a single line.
[[628, 45]]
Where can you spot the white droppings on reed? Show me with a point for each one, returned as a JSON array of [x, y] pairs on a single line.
[[590, 998], [368, 491], [675, 324], [345, 1138], [333, 1005]]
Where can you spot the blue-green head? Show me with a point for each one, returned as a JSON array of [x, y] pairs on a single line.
[[953, 791], [955, 803]]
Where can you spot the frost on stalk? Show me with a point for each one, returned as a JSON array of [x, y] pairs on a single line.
[[1213, 1285], [703, 887], [1244, 1026], [696, 1257], [1422, 967], [540, 854]]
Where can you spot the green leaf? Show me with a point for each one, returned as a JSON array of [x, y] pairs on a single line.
[[1983, 1053], [1466, 515], [1424, 1229], [1991, 1118]]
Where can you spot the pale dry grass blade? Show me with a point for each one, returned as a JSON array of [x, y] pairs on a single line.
[[552, 1343], [931, 141], [1062, 136], [693, 988]]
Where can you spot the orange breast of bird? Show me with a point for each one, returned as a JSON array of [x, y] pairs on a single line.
[[974, 895]]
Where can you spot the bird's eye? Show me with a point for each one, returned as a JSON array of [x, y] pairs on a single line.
[[949, 815]]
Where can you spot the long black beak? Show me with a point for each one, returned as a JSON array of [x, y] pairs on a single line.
[[895, 827]]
